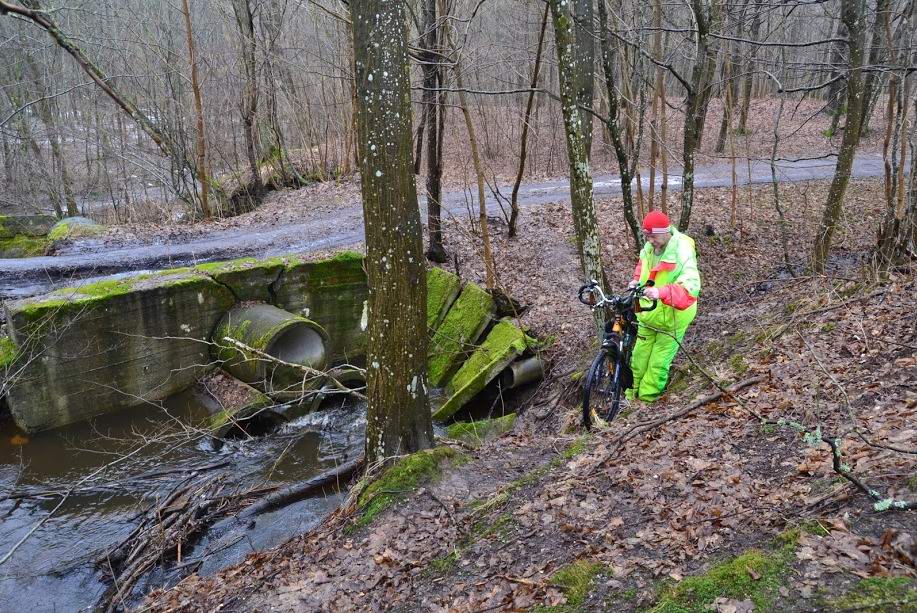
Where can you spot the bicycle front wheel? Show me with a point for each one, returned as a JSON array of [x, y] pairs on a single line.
[[602, 391]]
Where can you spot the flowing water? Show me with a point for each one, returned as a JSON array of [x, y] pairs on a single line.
[[117, 466]]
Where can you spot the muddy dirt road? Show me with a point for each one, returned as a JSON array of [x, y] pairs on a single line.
[[89, 258]]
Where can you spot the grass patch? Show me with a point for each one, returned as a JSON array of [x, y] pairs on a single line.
[[880, 594], [403, 477], [738, 364], [755, 575], [575, 581], [912, 483], [443, 565]]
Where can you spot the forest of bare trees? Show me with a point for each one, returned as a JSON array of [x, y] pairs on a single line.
[[155, 110]]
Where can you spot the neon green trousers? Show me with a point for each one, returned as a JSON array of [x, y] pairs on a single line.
[[650, 362]]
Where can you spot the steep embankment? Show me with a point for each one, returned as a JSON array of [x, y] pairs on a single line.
[[728, 504]]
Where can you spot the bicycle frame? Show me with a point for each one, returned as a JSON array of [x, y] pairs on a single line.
[[618, 340]]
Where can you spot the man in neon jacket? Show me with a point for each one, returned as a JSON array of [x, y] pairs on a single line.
[[670, 260]]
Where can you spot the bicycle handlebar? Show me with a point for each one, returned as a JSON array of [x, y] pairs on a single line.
[[631, 295]]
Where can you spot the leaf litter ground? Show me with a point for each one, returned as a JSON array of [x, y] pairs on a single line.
[[709, 511]]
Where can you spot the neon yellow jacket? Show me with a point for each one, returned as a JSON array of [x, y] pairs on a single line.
[[678, 279]]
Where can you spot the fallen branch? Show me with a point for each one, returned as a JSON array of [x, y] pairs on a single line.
[[298, 491], [301, 367], [645, 426]]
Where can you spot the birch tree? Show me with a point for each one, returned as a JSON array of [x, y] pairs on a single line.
[[588, 240]]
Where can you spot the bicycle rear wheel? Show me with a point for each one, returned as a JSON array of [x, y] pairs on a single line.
[[602, 390]]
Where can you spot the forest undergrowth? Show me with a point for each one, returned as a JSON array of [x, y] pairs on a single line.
[[733, 506]]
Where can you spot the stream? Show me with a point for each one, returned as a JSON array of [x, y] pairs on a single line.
[[123, 463]]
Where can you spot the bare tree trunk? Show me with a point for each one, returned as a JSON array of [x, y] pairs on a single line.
[[658, 100], [201, 142], [877, 53], [614, 128], [434, 114], [852, 12], [249, 101], [487, 252], [588, 240], [398, 412], [839, 54], [749, 68], [697, 99], [514, 200]]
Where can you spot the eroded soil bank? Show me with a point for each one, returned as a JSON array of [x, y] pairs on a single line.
[[669, 510]]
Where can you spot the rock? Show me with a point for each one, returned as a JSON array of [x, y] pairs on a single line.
[[74, 227], [25, 225]]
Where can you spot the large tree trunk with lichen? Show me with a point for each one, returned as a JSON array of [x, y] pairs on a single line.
[[588, 241], [852, 13], [584, 75], [398, 413]]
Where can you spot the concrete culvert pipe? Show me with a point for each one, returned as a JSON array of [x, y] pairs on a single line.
[[291, 339], [521, 372]]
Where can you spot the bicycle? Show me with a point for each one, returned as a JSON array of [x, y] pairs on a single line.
[[610, 372]]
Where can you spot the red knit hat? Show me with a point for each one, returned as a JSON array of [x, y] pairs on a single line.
[[656, 222]]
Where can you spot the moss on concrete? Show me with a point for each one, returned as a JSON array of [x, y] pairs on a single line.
[[503, 344], [880, 594], [333, 293], [478, 432], [460, 329], [21, 246], [755, 575], [443, 288], [247, 278], [8, 352], [112, 344], [403, 477]]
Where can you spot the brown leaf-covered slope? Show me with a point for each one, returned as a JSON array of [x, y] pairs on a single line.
[[839, 353]]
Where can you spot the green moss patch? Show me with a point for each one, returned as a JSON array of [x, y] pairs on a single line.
[[248, 278], [8, 351], [503, 344], [880, 594], [443, 288], [21, 246], [403, 477], [754, 575], [460, 329], [478, 432], [65, 229]]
